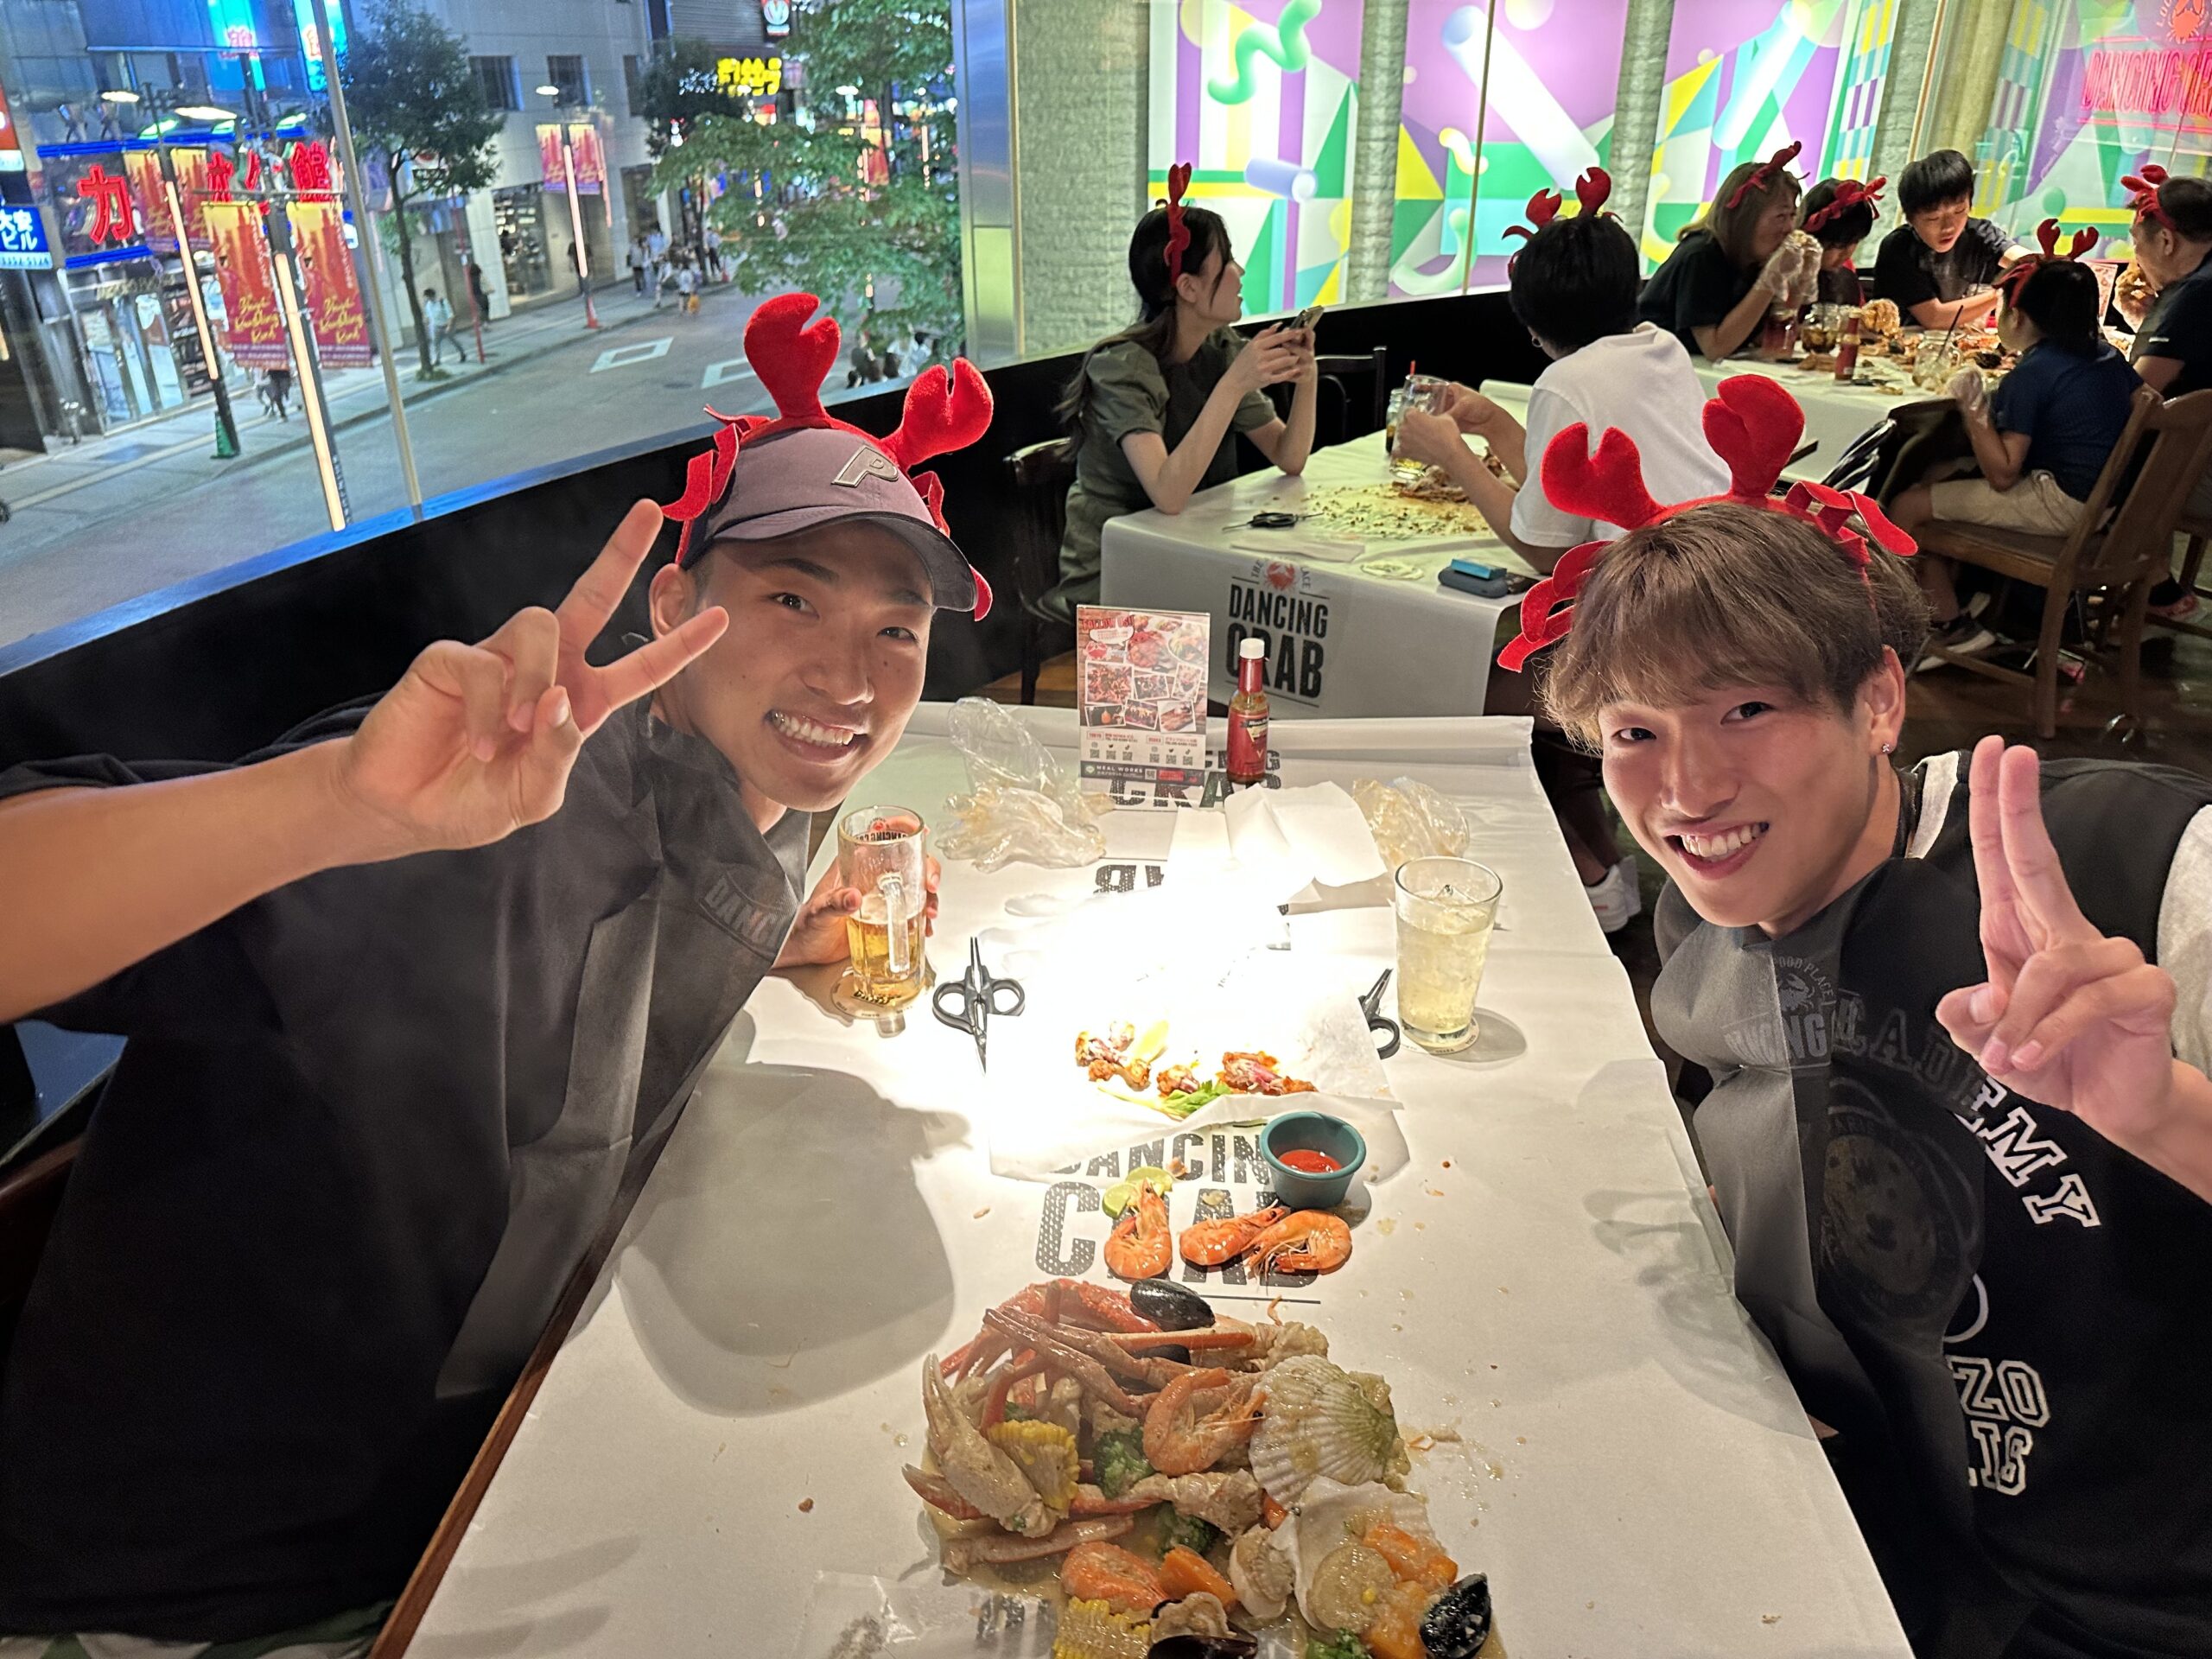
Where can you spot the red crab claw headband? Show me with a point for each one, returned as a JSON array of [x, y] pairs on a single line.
[[2013, 279], [2143, 194], [1591, 190], [1848, 195], [1765, 175], [1178, 232], [764, 477], [1753, 425]]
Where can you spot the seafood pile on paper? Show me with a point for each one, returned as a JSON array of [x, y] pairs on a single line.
[[1179, 1482], [1213, 1045]]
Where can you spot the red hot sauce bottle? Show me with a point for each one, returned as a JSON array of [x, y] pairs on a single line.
[[1248, 716]]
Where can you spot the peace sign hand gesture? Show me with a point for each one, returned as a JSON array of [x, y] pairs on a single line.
[[2068, 1016], [476, 741]]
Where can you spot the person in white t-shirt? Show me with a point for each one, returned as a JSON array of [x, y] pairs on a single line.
[[1574, 288]]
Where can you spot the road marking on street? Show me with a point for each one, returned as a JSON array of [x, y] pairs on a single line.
[[730, 368], [621, 357]]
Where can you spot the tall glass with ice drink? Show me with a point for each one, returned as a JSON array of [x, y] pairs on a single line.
[[881, 852], [1446, 908]]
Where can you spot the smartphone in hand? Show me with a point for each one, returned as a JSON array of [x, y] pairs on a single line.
[[1307, 318]]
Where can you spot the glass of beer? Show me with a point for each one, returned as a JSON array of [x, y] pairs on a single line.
[[1446, 909], [1423, 392], [880, 851]]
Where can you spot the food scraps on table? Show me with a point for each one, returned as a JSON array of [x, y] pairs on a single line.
[[1384, 513], [1197, 1483]]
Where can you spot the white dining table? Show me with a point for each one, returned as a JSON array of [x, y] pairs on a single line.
[[1371, 635], [1836, 416], [712, 1463]]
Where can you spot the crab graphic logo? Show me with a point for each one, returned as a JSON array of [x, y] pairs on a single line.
[[1282, 577], [2184, 20]]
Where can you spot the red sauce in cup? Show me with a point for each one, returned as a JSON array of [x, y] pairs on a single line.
[[1306, 1161]]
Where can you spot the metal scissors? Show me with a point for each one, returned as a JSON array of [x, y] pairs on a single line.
[[1385, 1029], [977, 995]]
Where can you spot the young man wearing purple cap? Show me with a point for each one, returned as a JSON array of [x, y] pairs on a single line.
[[366, 1124]]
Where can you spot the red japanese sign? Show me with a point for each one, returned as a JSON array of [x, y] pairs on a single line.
[[253, 328], [334, 303], [113, 220]]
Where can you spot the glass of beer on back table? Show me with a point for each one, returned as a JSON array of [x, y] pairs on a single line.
[[880, 851]]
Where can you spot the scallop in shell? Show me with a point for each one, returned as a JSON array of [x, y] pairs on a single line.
[[1320, 1422], [1333, 1517]]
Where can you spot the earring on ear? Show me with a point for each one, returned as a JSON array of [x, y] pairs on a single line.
[[1889, 749]]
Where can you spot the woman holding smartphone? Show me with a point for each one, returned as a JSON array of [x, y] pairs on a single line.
[[1152, 412]]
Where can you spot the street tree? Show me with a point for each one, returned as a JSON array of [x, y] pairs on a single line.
[[413, 101], [682, 86], [861, 211]]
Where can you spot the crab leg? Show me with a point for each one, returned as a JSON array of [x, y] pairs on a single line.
[[936, 1491], [961, 1554], [1051, 1345]]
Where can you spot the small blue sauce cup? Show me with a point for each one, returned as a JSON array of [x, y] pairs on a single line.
[[1312, 1132]]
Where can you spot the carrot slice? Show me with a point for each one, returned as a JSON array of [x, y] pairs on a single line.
[[1184, 1571]]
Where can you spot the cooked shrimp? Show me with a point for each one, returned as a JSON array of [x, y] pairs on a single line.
[[1143, 1246], [1210, 1243], [1196, 1418], [1107, 1572], [1304, 1241]]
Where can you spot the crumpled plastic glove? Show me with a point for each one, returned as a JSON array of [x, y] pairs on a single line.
[[1808, 267], [1968, 390], [1026, 806], [1410, 820], [1779, 273]]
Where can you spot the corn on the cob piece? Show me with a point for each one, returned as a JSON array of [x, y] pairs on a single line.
[[1047, 1453], [1092, 1629]]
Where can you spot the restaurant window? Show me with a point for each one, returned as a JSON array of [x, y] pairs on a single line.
[[495, 78], [631, 65], [568, 74]]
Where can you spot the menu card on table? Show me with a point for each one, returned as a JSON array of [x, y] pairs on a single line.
[[1141, 694]]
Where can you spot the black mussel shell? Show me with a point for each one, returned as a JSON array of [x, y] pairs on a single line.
[[1989, 359], [1458, 1624], [1238, 1646], [1170, 1305], [1174, 1350]]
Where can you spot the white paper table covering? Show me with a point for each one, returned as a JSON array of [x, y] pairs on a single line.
[[1635, 1477], [1396, 645]]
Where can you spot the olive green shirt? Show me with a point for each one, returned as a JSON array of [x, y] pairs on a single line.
[[1130, 391]]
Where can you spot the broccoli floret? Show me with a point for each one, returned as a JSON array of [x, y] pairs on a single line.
[[1189, 1531], [1119, 1459], [1342, 1645]]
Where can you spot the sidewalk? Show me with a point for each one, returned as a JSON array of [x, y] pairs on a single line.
[[355, 396]]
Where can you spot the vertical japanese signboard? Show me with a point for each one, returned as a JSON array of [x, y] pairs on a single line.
[[333, 287], [253, 329]]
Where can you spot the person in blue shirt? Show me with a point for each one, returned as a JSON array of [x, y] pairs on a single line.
[[2040, 439]]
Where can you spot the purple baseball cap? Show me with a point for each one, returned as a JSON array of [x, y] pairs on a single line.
[[783, 482]]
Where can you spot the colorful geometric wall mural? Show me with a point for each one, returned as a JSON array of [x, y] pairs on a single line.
[[1554, 74], [2089, 90], [1744, 77], [1259, 97]]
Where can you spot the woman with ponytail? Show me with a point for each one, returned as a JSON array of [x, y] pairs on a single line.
[[1151, 412]]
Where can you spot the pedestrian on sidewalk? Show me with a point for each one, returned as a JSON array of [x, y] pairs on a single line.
[[637, 264], [437, 322], [661, 278], [687, 284], [277, 391], [711, 241], [483, 300]]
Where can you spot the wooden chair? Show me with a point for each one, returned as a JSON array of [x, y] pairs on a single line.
[[2122, 556], [1039, 475]]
